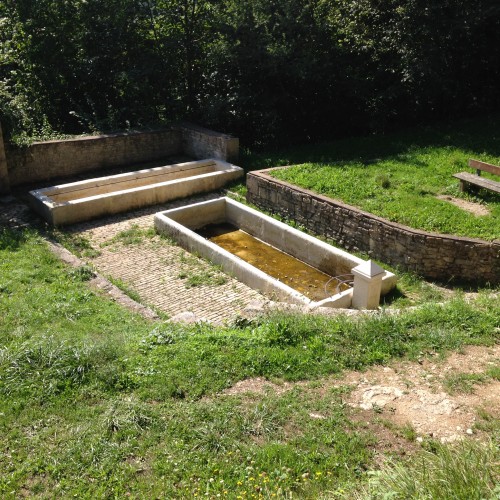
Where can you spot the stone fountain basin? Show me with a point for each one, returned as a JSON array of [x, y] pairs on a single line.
[[80, 201], [181, 223]]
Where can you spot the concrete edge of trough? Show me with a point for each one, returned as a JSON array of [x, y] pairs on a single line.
[[180, 222]]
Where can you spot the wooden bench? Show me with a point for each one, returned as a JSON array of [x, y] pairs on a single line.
[[467, 179]]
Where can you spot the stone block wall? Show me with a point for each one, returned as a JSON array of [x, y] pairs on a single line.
[[46, 160], [434, 256], [61, 158]]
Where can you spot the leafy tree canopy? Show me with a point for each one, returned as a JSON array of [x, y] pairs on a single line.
[[266, 70]]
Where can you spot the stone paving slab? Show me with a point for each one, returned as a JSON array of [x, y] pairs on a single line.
[[154, 267]]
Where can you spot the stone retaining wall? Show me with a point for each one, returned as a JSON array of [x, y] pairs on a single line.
[[63, 158], [434, 256]]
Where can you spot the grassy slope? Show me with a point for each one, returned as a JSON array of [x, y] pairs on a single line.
[[398, 176], [95, 401]]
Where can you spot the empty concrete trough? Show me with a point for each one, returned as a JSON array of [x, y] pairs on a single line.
[[84, 200]]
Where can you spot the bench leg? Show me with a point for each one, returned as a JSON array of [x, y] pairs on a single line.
[[467, 187]]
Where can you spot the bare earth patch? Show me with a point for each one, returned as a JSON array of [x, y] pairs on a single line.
[[474, 208], [410, 395], [414, 393]]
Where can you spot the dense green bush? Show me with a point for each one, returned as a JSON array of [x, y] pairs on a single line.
[[265, 70]]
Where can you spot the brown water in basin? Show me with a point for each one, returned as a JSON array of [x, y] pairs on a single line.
[[292, 272]]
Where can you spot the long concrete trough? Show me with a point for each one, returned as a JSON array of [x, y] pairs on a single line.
[[181, 224], [92, 198]]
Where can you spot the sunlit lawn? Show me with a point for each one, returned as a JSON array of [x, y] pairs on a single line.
[[97, 402], [400, 176]]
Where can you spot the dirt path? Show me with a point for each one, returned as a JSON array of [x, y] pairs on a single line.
[[474, 208]]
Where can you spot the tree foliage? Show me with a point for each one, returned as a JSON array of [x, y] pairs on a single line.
[[266, 70]]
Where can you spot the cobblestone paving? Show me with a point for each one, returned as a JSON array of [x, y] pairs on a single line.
[[159, 271], [15, 214]]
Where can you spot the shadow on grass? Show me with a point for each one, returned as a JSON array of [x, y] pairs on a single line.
[[12, 239], [472, 134], [395, 295]]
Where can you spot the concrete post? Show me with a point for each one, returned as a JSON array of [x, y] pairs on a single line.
[[367, 285], [4, 173]]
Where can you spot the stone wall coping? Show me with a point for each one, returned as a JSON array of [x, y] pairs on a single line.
[[110, 135], [96, 137], [417, 232]]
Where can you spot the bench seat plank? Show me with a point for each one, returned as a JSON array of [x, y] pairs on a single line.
[[468, 178], [486, 167]]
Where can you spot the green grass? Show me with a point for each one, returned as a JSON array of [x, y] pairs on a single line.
[[134, 235], [199, 272], [399, 176], [77, 244], [463, 382], [125, 288], [487, 422], [98, 402], [463, 472], [202, 278], [494, 372]]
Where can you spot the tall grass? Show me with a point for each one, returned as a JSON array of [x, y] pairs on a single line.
[[467, 471]]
